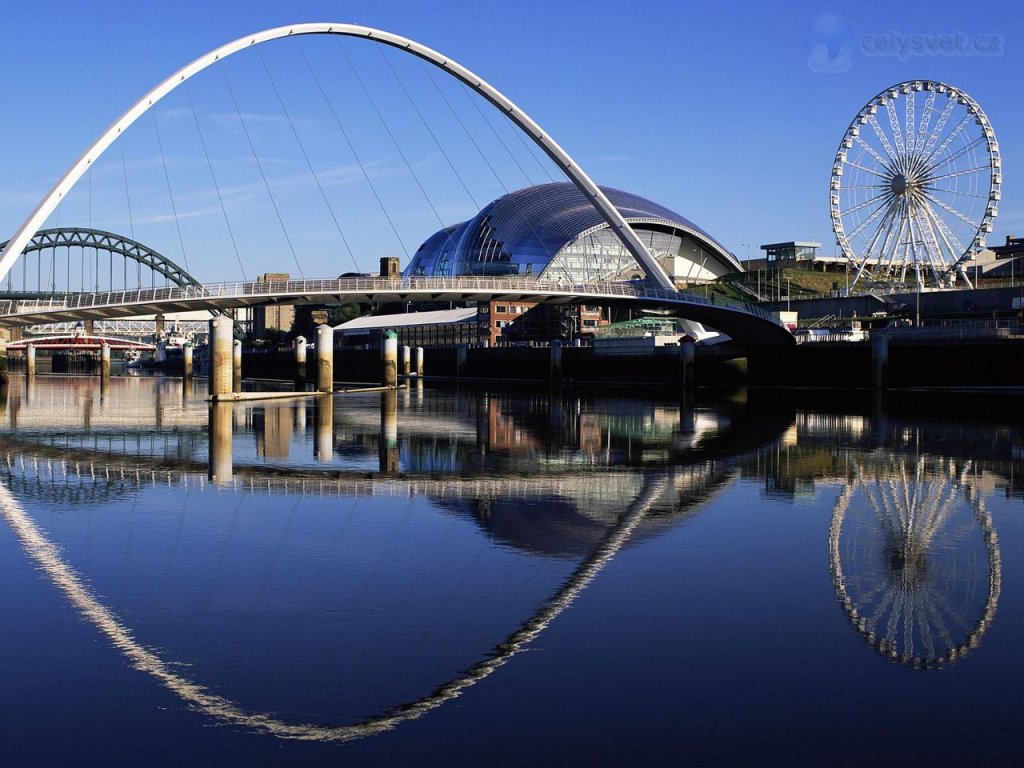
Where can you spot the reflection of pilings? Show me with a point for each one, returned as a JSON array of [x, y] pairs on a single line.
[[220, 355], [389, 378], [221, 443], [30, 360], [388, 446], [236, 365], [417, 361], [323, 417], [419, 391], [324, 358], [48, 557]]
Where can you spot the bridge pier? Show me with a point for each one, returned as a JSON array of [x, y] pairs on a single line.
[[236, 366], [30, 360], [418, 361], [880, 362], [324, 358], [461, 352], [89, 326], [221, 329], [686, 372], [390, 375], [556, 361], [300, 361]]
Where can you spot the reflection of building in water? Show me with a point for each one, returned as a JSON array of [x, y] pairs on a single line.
[[915, 560]]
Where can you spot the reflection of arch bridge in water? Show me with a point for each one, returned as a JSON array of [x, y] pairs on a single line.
[[915, 560], [48, 557]]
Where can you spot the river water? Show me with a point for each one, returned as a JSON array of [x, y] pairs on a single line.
[[505, 577]]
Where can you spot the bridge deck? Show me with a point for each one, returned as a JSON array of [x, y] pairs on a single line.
[[745, 323]]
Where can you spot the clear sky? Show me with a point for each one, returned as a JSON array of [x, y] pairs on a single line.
[[729, 113]]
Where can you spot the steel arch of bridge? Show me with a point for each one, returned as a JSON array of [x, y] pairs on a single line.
[[654, 272], [84, 237]]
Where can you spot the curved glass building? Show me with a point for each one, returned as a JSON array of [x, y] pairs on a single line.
[[553, 232]]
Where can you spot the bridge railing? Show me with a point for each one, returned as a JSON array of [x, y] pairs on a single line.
[[371, 285]]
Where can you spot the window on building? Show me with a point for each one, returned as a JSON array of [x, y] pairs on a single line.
[[501, 308]]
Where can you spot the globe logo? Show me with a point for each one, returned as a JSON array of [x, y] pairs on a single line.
[[829, 43]]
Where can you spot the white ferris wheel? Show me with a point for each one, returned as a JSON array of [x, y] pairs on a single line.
[[915, 185]]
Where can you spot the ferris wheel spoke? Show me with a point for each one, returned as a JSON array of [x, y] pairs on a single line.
[[956, 250], [926, 223], [911, 123], [940, 124], [867, 170], [894, 123], [881, 227], [926, 118], [951, 210], [873, 152], [877, 128], [954, 174], [949, 139], [874, 200], [958, 154]]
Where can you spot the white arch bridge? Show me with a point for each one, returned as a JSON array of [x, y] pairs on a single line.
[[745, 323]]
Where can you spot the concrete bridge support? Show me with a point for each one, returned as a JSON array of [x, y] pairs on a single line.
[[324, 358], [390, 374], [221, 362], [417, 364], [30, 360]]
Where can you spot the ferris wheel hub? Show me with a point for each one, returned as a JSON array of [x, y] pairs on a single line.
[[899, 184]]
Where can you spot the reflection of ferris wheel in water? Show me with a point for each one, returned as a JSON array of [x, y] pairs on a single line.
[[915, 562], [915, 184]]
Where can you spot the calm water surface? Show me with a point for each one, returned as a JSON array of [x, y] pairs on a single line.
[[502, 578]]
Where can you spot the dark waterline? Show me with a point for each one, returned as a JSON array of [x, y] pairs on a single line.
[[505, 577]]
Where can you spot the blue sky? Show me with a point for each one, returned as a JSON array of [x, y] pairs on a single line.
[[716, 110]]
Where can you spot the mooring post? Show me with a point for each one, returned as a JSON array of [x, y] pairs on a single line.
[[556, 361], [324, 358], [221, 364], [686, 355], [389, 377], [105, 360], [418, 361], [236, 365], [186, 360], [405, 360], [300, 359], [880, 361], [30, 360]]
